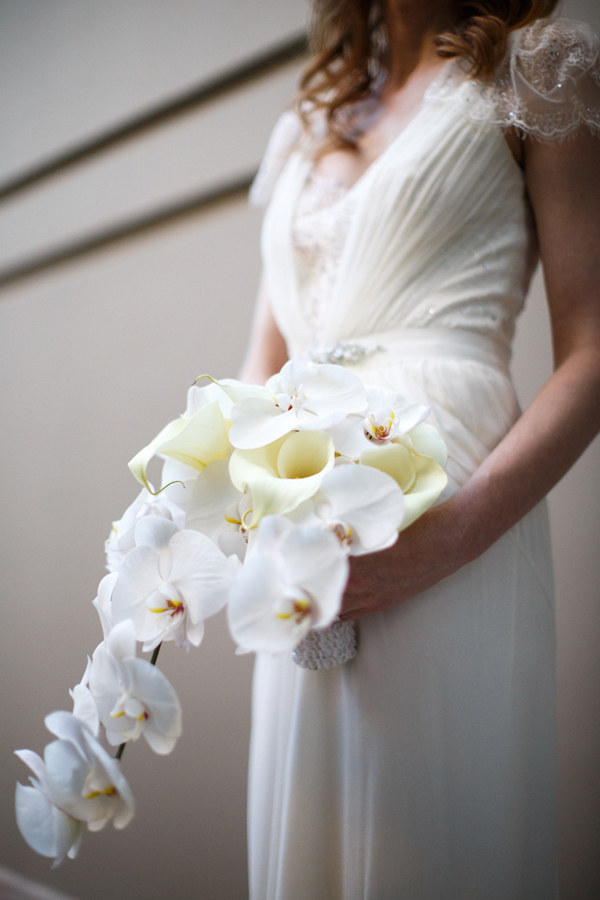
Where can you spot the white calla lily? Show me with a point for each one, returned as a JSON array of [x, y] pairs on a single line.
[[46, 828], [133, 697], [421, 478], [227, 391], [195, 442], [426, 440], [169, 583], [283, 474], [293, 581], [303, 396]]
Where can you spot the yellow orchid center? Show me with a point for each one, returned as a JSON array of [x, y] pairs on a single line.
[[289, 397], [300, 609], [342, 532], [96, 786], [109, 791], [174, 606], [378, 428]]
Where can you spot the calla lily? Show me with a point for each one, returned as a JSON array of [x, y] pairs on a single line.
[[82, 779], [227, 391], [293, 581], [133, 697], [303, 396], [195, 442], [169, 583], [46, 828], [283, 474], [362, 506], [426, 441], [421, 478]]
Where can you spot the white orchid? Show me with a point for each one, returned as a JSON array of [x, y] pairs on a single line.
[[77, 781], [207, 497], [83, 780], [46, 828], [103, 602], [303, 396], [84, 706], [362, 506], [388, 415], [265, 494], [133, 697], [283, 474], [293, 581], [169, 583], [121, 538]]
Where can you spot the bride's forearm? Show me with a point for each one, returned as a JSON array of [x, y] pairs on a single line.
[[526, 464], [266, 351], [535, 454]]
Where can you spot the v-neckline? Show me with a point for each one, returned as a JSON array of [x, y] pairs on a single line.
[[443, 73]]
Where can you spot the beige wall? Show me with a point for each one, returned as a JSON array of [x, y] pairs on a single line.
[[96, 355]]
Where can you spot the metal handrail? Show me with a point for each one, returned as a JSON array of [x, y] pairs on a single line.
[[235, 189], [209, 90]]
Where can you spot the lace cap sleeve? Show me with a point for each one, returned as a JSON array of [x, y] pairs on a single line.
[[549, 83], [284, 138]]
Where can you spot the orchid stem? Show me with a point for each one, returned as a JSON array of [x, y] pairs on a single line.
[[155, 653]]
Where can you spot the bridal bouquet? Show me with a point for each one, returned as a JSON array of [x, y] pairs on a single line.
[[266, 492]]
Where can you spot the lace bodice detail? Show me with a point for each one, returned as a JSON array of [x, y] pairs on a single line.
[[319, 233], [547, 86], [320, 227], [437, 233]]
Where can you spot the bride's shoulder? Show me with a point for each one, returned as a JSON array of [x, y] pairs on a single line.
[[548, 85], [285, 138]]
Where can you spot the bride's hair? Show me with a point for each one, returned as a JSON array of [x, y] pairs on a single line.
[[350, 47]]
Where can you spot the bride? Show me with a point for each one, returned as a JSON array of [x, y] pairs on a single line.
[[437, 150]]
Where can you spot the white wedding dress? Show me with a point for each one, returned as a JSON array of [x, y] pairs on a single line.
[[424, 769]]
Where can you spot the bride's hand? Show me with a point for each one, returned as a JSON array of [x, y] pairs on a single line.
[[430, 549]]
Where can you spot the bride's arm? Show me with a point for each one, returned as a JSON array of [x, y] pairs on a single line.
[[266, 352], [564, 187]]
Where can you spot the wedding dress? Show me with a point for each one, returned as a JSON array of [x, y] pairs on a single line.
[[424, 769]]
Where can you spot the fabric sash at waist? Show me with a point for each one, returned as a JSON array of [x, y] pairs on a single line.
[[415, 343]]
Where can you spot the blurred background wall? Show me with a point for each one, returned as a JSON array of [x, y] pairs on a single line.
[[156, 287]]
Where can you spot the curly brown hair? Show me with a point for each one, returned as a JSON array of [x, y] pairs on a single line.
[[350, 47]]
